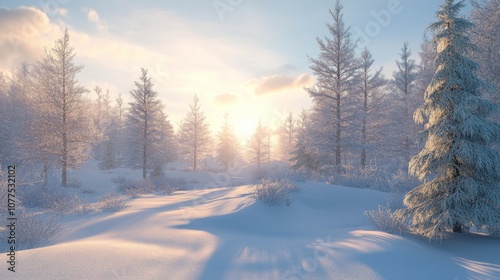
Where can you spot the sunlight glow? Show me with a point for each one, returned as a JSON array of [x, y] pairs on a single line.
[[244, 128]]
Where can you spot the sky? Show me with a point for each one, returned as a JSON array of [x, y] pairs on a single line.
[[248, 58]]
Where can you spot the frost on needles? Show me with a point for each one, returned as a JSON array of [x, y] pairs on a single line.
[[459, 168]]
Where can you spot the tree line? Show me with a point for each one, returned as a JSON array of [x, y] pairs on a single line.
[[358, 118]]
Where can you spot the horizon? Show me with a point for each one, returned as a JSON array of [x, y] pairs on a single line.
[[222, 51]]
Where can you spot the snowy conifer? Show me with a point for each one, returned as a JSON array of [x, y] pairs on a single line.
[[301, 156], [459, 169], [62, 130], [406, 100], [371, 101], [227, 145], [145, 124], [258, 146], [286, 135], [335, 71], [486, 35], [194, 134]]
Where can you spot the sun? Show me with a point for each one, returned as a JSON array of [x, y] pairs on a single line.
[[245, 127]]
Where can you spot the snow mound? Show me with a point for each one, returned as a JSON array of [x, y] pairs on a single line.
[[221, 233]]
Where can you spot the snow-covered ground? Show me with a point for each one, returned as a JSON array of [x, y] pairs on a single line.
[[221, 233]]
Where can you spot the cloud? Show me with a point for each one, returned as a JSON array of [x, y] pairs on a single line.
[[25, 30], [278, 83], [62, 12], [93, 17], [226, 99]]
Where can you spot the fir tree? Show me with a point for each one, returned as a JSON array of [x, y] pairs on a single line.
[[371, 99], [301, 156], [62, 130], [459, 169], [257, 145], [406, 99], [227, 145], [194, 135], [335, 71], [145, 119]]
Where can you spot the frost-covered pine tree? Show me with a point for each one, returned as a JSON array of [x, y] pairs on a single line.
[[144, 122], [286, 135], [194, 134], [302, 156], [371, 101], [5, 149], [427, 65], [486, 35], [257, 145], [62, 130], [406, 101], [335, 71], [459, 169], [227, 144]]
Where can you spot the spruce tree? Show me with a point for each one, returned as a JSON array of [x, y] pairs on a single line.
[[257, 145], [406, 100], [459, 169], [145, 119], [62, 131], [194, 135], [371, 100], [227, 144], [335, 71]]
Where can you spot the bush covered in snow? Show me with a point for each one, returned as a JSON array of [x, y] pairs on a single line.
[[135, 188], [35, 229], [372, 177], [111, 203], [165, 185], [387, 220], [274, 192], [50, 197]]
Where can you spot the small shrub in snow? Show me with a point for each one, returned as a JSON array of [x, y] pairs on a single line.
[[65, 204], [35, 229], [88, 191], [135, 188], [51, 197], [274, 192], [384, 219], [163, 185], [112, 203], [85, 209], [74, 183], [119, 180]]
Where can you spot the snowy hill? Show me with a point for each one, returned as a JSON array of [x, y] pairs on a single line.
[[221, 233]]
